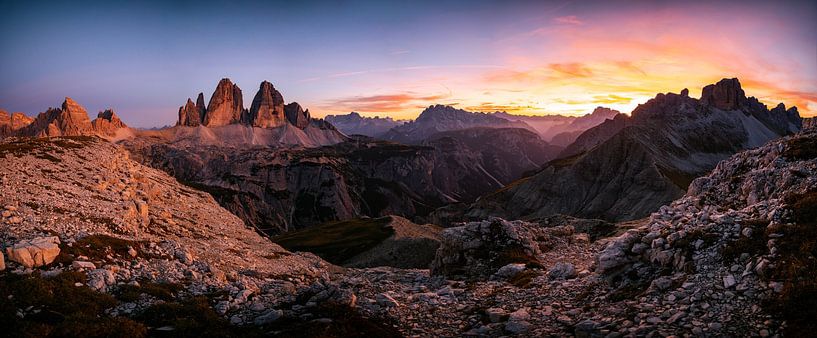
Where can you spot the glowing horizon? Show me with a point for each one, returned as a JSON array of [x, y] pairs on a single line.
[[145, 60]]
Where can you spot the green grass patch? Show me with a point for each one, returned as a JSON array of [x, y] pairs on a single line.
[[338, 241], [163, 291]]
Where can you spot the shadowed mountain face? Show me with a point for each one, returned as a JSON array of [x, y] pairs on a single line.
[[354, 124], [626, 168], [562, 130]]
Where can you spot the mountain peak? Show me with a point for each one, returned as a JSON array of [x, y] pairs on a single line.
[[725, 95], [267, 109], [226, 105]]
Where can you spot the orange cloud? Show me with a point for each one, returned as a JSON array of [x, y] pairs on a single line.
[[573, 69]]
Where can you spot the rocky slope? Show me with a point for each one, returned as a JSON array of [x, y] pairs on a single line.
[[734, 257], [97, 242], [439, 118], [669, 141], [354, 124]]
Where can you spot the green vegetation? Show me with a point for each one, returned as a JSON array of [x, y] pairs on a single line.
[[338, 241]]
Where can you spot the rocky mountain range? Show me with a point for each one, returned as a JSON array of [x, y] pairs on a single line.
[[562, 130], [269, 121], [69, 120], [354, 124], [626, 168], [440, 118]]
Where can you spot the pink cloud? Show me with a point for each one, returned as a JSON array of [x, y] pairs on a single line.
[[568, 20]]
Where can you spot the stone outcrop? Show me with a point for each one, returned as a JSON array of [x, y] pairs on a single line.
[[226, 105], [70, 120], [10, 124], [725, 95], [36, 252], [107, 123], [267, 110], [296, 115], [477, 250], [190, 114]]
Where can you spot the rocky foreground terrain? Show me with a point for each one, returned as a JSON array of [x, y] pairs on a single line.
[[99, 244]]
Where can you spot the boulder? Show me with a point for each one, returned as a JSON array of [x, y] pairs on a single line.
[[107, 123], [478, 249], [37, 252], [562, 270]]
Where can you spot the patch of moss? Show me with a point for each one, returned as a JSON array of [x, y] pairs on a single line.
[[338, 241]]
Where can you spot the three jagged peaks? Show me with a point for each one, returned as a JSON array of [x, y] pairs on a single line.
[[226, 107]]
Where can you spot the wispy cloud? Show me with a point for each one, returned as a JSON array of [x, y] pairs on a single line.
[[568, 20], [395, 102]]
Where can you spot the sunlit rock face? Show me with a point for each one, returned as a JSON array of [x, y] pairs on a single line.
[[267, 110], [70, 120], [189, 115], [226, 105], [9, 124], [107, 123]]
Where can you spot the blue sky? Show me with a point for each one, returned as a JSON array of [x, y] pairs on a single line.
[[145, 59]]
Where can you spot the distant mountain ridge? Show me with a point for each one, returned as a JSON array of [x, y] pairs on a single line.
[[559, 129], [440, 118], [355, 124], [626, 168]]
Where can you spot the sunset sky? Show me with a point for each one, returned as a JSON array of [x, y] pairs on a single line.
[[378, 58]]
